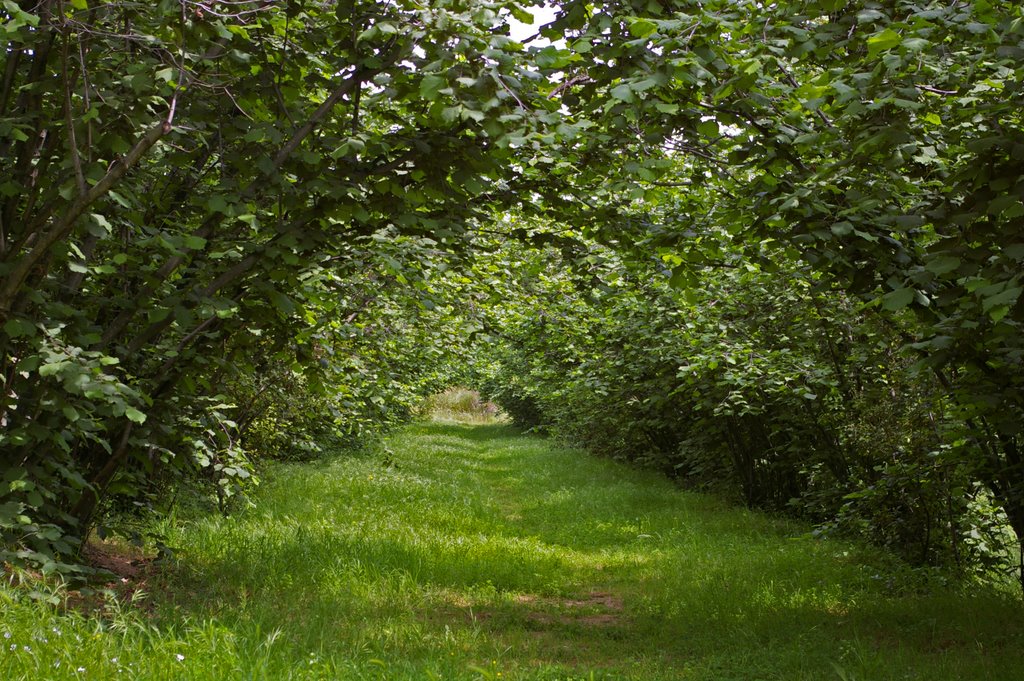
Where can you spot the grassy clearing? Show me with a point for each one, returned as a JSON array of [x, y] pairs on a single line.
[[471, 552]]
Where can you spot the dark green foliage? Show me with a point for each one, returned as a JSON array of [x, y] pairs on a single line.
[[222, 231], [877, 143], [770, 388]]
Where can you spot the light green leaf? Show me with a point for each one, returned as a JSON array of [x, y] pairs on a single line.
[[135, 415], [641, 28], [880, 42], [53, 368]]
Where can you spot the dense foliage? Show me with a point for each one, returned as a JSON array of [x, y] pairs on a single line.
[[834, 191], [220, 223], [787, 244], [765, 388]]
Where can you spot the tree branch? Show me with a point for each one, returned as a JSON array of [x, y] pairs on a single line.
[[60, 228], [76, 160]]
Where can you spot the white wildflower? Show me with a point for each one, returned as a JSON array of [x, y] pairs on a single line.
[[180, 657]]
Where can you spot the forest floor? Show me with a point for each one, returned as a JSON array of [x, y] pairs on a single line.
[[475, 552]]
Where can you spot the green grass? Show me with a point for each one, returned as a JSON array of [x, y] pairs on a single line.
[[471, 552]]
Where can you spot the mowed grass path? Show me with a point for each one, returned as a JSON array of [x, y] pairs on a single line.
[[473, 552]]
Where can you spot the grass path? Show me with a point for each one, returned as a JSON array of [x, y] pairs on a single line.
[[477, 553]]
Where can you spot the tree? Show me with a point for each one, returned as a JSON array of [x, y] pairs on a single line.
[[880, 142], [185, 185]]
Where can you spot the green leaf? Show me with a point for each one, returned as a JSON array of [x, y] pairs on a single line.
[[17, 328], [53, 368], [283, 304], [943, 264], [641, 28], [431, 86], [998, 312], [100, 226], [135, 415], [158, 314], [521, 15], [1001, 203], [880, 42], [10, 512], [20, 17], [1007, 297], [217, 204], [623, 93], [898, 299], [708, 128], [196, 243]]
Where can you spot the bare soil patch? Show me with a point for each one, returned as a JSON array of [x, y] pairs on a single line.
[[596, 609], [129, 569]]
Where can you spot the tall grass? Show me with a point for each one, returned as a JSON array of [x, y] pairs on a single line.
[[460, 405], [476, 553]]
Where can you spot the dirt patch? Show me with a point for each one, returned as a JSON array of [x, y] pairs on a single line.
[[597, 609], [597, 599], [127, 569], [127, 563], [538, 613]]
